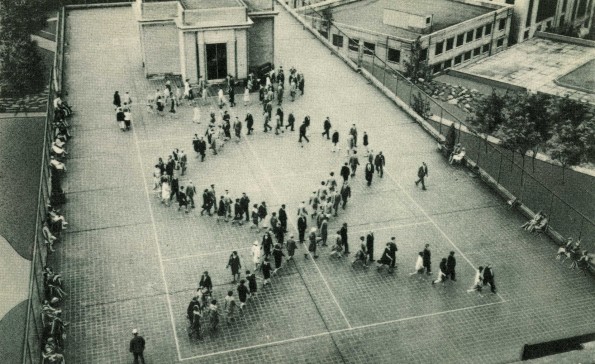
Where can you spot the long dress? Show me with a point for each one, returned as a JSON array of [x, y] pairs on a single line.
[[165, 191]]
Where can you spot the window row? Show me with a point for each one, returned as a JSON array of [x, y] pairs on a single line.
[[467, 37], [461, 58]]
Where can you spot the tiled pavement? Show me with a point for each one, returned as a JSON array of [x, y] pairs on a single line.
[[131, 262]]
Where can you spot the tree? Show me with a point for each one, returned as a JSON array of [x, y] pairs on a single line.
[[22, 18], [417, 68], [327, 16], [420, 105], [573, 140], [489, 115], [518, 132]]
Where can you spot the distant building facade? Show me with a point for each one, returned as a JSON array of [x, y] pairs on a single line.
[[206, 38], [451, 32], [540, 15]]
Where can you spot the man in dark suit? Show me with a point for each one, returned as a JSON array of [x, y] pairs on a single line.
[[327, 128], [137, 347], [302, 225], [343, 234], [345, 193], [427, 259], [303, 129], [488, 277], [283, 218], [345, 172], [370, 246], [245, 205], [451, 263], [422, 173], [324, 229], [205, 282], [369, 172], [379, 163]]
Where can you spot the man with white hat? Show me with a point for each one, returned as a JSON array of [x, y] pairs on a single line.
[[137, 347]]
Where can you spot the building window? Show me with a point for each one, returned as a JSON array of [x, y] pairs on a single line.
[[476, 51], [502, 24], [500, 42], [436, 68], [458, 60], [424, 54], [369, 48], [353, 44], [511, 2], [450, 43], [338, 40], [486, 48], [394, 55], [479, 33], [460, 39], [447, 63], [467, 55], [439, 48], [526, 35], [470, 36], [488, 29]]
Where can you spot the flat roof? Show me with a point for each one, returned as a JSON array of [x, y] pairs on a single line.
[[210, 4], [368, 14]]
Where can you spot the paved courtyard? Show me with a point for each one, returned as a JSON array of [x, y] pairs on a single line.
[[130, 262], [535, 64]]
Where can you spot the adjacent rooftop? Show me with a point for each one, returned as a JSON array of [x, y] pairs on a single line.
[[368, 14]]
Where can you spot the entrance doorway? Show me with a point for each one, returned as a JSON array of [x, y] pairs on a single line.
[[216, 61]]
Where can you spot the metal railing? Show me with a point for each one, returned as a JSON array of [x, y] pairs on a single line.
[[564, 195]]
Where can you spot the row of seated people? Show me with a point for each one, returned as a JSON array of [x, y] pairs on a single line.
[[538, 224], [52, 228], [572, 250], [458, 154], [53, 334]]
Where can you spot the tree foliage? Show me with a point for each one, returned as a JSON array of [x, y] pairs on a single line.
[[489, 114], [416, 67], [21, 68]]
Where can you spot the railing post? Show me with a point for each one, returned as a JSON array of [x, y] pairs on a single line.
[[551, 205], [397, 86], [410, 92], [384, 75], [441, 115], [500, 166], [580, 231]]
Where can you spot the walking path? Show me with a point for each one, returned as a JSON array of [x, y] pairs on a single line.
[[129, 262]]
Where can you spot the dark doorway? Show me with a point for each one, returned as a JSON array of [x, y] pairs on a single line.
[[216, 61]]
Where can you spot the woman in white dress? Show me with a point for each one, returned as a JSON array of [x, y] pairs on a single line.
[[196, 115], [165, 191], [246, 96], [256, 254]]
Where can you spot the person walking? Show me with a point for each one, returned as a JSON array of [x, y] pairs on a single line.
[[488, 277], [303, 129], [245, 206], [205, 282], [365, 142], [283, 218], [291, 247], [345, 193], [442, 273], [379, 162], [419, 265], [427, 259], [345, 172], [252, 286], [324, 229], [343, 234], [246, 96], [243, 293], [266, 272], [422, 173], [335, 140], [312, 245], [477, 281], [369, 173], [137, 347], [327, 128], [117, 101], [353, 163], [278, 257], [230, 306], [370, 246], [451, 263], [235, 265], [249, 123], [290, 121], [302, 225], [353, 131]]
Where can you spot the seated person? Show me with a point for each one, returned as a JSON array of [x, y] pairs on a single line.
[[61, 105], [530, 225], [361, 256], [455, 151], [565, 251], [541, 226], [57, 165], [458, 157], [583, 262], [337, 249], [49, 238]]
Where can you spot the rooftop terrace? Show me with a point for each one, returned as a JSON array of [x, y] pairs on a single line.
[[368, 14]]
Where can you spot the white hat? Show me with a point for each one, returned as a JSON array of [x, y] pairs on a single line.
[[134, 331]]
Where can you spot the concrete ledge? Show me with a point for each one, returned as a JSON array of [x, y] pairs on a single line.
[[93, 6], [565, 39], [485, 80]]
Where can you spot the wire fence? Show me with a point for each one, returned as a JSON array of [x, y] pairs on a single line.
[[566, 196], [35, 333]]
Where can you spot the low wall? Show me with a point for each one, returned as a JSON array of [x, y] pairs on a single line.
[[565, 39], [485, 80]]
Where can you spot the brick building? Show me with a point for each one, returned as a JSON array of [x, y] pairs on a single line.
[[206, 38], [451, 32], [539, 15]]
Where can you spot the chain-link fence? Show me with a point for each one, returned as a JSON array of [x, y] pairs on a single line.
[[564, 195]]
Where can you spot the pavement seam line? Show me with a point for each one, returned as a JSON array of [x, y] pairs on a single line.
[[435, 225], [339, 331], [272, 185], [156, 237]]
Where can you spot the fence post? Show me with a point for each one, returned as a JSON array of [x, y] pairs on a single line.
[[500, 167], [478, 150], [373, 65], [551, 205], [397, 86], [459, 136], [410, 92], [384, 75], [580, 231], [441, 112]]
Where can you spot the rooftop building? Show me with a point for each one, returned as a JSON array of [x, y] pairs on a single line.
[[206, 39]]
